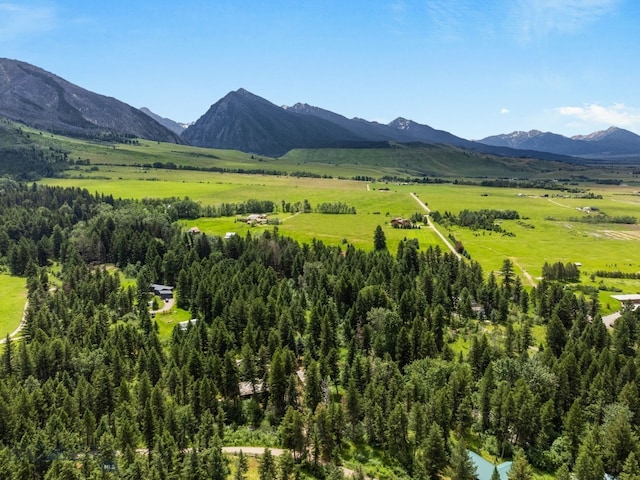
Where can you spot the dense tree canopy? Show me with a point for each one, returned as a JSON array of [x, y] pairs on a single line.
[[338, 347]]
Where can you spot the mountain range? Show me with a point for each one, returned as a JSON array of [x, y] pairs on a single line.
[[607, 144], [247, 122], [35, 97], [244, 121]]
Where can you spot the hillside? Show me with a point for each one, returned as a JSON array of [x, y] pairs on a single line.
[[424, 160], [377, 160], [35, 97], [23, 158]]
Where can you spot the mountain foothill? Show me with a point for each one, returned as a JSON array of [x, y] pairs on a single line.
[[246, 122]]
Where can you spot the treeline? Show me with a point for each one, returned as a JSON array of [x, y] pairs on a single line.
[[476, 219], [23, 159], [616, 274], [335, 208], [240, 208], [512, 183], [602, 218], [249, 171], [564, 272], [363, 178], [185, 208], [424, 180], [342, 349]]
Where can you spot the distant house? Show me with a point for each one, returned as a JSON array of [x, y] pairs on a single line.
[[185, 325], [629, 301], [247, 389], [484, 468], [163, 291], [398, 222], [255, 219], [228, 235], [194, 230]]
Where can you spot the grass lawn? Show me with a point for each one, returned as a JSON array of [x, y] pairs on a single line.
[[167, 321], [14, 292]]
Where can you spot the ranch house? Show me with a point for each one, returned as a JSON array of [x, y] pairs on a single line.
[[165, 292], [629, 301]]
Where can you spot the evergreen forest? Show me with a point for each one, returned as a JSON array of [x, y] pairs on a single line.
[[338, 355]]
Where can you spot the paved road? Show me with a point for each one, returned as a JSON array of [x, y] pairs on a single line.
[[433, 227]]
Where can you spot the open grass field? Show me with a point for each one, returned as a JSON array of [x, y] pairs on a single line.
[[538, 239], [395, 160], [545, 232], [14, 293]]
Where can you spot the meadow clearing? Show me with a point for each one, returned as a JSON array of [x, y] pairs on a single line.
[[14, 291]]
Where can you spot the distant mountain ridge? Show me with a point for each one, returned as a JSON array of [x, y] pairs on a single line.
[[243, 121], [172, 125], [610, 143], [247, 122], [38, 98]]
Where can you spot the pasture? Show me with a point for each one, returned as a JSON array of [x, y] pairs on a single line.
[[14, 294], [125, 171], [544, 233], [394, 160]]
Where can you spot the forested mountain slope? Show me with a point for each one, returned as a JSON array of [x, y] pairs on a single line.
[[93, 391], [23, 158]]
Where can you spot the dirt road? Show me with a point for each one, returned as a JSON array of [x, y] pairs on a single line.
[[433, 227]]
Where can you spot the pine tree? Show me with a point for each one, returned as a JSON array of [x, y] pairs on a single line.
[[267, 467], [495, 475], [242, 467], [631, 469], [431, 457], [287, 467], [313, 386], [379, 239], [460, 465], [292, 432], [589, 465], [521, 469]]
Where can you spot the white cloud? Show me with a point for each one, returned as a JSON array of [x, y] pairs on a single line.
[[18, 21], [539, 18], [504, 111], [618, 114]]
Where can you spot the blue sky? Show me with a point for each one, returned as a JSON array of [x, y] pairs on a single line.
[[474, 68]]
